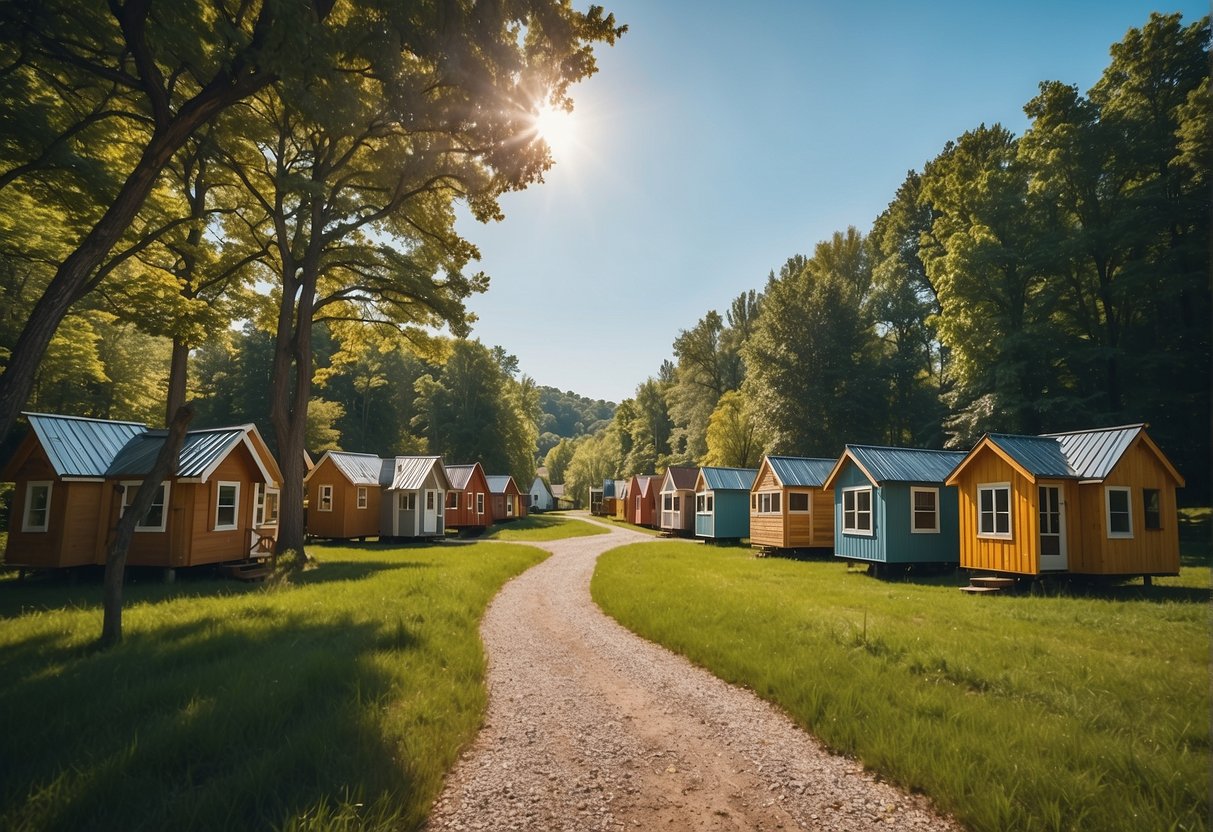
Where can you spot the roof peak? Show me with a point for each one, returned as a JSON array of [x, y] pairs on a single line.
[[1133, 426], [28, 413]]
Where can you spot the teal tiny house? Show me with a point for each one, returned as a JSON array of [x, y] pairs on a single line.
[[722, 503], [892, 509]]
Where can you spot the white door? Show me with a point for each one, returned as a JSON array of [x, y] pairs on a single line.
[[1052, 529], [430, 515]]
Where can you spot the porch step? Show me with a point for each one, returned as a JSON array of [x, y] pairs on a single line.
[[995, 581], [257, 570], [979, 589]]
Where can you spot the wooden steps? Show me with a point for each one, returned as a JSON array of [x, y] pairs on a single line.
[[993, 584], [249, 570]]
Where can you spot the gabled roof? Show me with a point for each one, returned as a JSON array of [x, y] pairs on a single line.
[[539, 481], [608, 488], [728, 479], [679, 478], [621, 488], [408, 473], [800, 471], [644, 483], [359, 469], [461, 475], [882, 464], [1093, 453], [558, 490], [498, 483], [80, 447]]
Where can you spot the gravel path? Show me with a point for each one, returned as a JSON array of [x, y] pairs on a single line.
[[590, 727]]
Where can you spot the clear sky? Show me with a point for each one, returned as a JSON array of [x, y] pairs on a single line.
[[720, 138]]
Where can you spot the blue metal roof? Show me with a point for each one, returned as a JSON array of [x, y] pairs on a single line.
[[1041, 456], [200, 450], [886, 464], [800, 471], [729, 479], [608, 488], [80, 447], [1093, 453]]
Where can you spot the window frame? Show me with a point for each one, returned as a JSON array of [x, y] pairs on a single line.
[[409, 499], [235, 524], [362, 499], [853, 528], [1146, 511], [923, 489], [808, 502], [452, 500], [770, 502], [264, 493], [480, 502], [1108, 490], [994, 488], [26, 526], [129, 487], [324, 494]]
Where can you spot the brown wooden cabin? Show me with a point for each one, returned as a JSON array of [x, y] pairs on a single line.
[[74, 476], [642, 489], [622, 504], [508, 502], [789, 506], [677, 499], [467, 503], [343, 494], [1093, 502]]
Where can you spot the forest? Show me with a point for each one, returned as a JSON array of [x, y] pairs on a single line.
[[1057, 280]]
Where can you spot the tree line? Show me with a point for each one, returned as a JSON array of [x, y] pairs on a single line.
[[1052, 281]]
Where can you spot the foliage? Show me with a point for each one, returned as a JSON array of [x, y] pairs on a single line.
[[734, 438], [557, 460], [569, 415], [355, 685], [1012, 713]]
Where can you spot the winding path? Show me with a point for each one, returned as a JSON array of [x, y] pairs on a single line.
[[590, 727]]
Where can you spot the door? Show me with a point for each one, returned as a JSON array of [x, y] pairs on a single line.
[[1052, 529], [429, 517]]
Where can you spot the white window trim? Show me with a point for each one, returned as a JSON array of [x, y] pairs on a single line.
[[870, 531], [808, 502], [407, 501], [129, 488], [480, 502], [923, 490], [236, 507], [769, 497], [320, 498], [263, 493], [995, 486], [362, 498], [1107, 503], [26, 526]]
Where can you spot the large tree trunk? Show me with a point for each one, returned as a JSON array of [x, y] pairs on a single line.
[[177, 375], [115, 557]]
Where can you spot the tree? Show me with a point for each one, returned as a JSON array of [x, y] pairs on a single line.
[[735, 439], [558, 458]]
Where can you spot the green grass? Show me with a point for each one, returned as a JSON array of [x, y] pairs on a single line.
[[337, 701], [623, 524], [1029, 713], [542, 527]]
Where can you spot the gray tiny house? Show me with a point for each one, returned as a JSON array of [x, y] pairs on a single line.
[[892, 509], [414, 497]]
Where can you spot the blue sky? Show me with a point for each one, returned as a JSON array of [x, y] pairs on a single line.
[[720, 138]]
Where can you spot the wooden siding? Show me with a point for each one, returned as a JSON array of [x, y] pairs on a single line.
[[1020, 553], [852, 546], [791, 529], [466, 515], [346, 520], [209, 545], [39, 549], [901, 543]]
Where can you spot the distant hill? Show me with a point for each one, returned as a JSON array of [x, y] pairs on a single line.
[[569, 415]]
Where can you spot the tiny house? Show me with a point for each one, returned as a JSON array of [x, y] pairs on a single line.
[[596, 501], [607, 508], [540, 497], [343, 496], [677, 495], [508, 502], [467, 503], [621, 500], [643, 495], [414, 497], [1092, 502], [790, 507], [891, 508], [74, 478], [722, 503]]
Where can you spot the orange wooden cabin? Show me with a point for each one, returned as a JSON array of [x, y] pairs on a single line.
[[343, 494], [467, 503], [1094, 502], [790, 508], [507, 499], [642, 494], [74, 476]]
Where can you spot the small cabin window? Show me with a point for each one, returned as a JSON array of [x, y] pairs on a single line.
[[994, 510], [362, 497], [227, 506], [798, 502], [754, 501], [924, 510], [1120, 514], [154, 520], [326, 498], [509, 505], [407, 501], [266, 511], [37, 507], [677, 503], [452, 500], [709, 503], [667, 502], [857, 510], [769, 502], [1152, 498], [480, 502]]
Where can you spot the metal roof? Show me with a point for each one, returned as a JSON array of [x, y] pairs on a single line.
[[408, 473], [608, 488], [621, 488], [729, 479], [1041, 456], [201, 451], [644, 483], [460, 474], [681, 477], [799, 471], [886, 464], [80, 447], [359, 469], [499, 482], [1094, 453]]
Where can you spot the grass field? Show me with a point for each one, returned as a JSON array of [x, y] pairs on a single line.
[[542, 527], [1084, 712], [337, 701], [623, 524]]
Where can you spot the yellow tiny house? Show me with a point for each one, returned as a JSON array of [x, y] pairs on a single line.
[[1094, 502]]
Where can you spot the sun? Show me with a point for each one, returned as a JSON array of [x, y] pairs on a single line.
[[557, 130]]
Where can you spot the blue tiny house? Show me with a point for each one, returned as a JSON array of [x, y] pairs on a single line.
[[892, 509], [722, 503]]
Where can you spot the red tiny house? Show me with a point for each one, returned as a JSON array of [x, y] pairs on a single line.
[[467, 503], [642, 495]]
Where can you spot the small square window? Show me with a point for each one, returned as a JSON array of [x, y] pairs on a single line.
[[924, 510]]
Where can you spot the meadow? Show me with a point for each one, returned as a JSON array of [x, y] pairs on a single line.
[[535, 527], [1078, 709], [337, 700]]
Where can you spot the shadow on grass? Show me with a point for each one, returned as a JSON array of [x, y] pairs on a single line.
[[201, 725]]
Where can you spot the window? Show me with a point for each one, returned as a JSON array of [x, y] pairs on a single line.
[[677, 502], [1120, 515], [768, 502], [480, 502], [709, 503], [452, 499], [703, 503], [924, 510], [637, 504], [667, 502], [429, 501], [227, 506], [1153, 502], [362, 497], [509, 505], [754, 501], [994, 510], [407, 501], [266, 511], [798, 502], [153, 521], [326, 498], [857, 510], [37, 507]]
